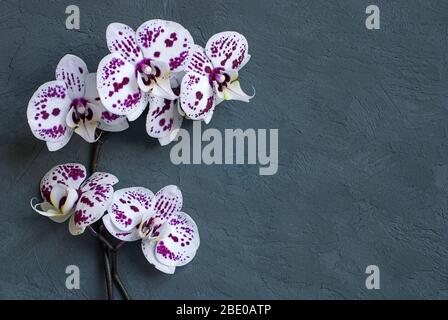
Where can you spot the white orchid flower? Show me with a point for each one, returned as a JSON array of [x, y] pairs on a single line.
[[70, 103], [66, 196], [212, 75], [140, 65], [170, 238]]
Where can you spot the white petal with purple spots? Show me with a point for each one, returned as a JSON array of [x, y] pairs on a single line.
[[94, 199], [73, 70], [163, 117], [197, 96], [74, 228], [165, 41], [108, 121], [55, 146], [121, 39], [134, 115], [228, 50], [117, 86], [167, 201], [128, 207], [112, 122], [70, 175], [47, 110], [180, 245], [199, 62], [149, 251], [99, 178], [131, 235], [91, 94]]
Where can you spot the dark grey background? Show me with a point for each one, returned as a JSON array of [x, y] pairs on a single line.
[[363, 152]]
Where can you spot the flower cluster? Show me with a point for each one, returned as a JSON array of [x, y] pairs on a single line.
[[158, 65], [66, 196], [170, 238]]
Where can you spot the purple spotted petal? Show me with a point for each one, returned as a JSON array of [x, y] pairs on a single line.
[[73, 70], [178, 119], [117, 86], [70, 175], [128, 207], [197, 96], [165, 41], [47, 110], [199, 62], [55, 146], [74, 228], [180, 245], [99, 178], [89, 209], [91, 94], [112, 122], [149, 250], [121, 39], [95, 197], [163, 117], [108, 121], [131, 235], [166, 201], [228, 50]]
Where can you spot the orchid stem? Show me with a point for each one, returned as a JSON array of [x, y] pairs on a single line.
[[103, 241], [107, 267], [118, 282], [109, 251], [96, 152], [101, 238]]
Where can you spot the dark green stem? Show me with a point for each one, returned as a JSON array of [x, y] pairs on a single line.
[[96, 152], [108, 273], [109, 251], [117, 279]]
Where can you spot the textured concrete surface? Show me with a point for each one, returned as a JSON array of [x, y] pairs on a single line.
[[363, 152]]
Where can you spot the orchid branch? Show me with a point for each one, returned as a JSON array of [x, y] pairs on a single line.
[[76, 99], [116, 277], [110, 262], [109, 251], [108, 273], [96, 151]]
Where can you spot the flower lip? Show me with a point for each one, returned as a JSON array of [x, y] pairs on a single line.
[[217, 75], [220, 78], [145, 67], [147, 229], [82, 111], [68, 202], [79, 104], [147, 74], [62, 202]]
